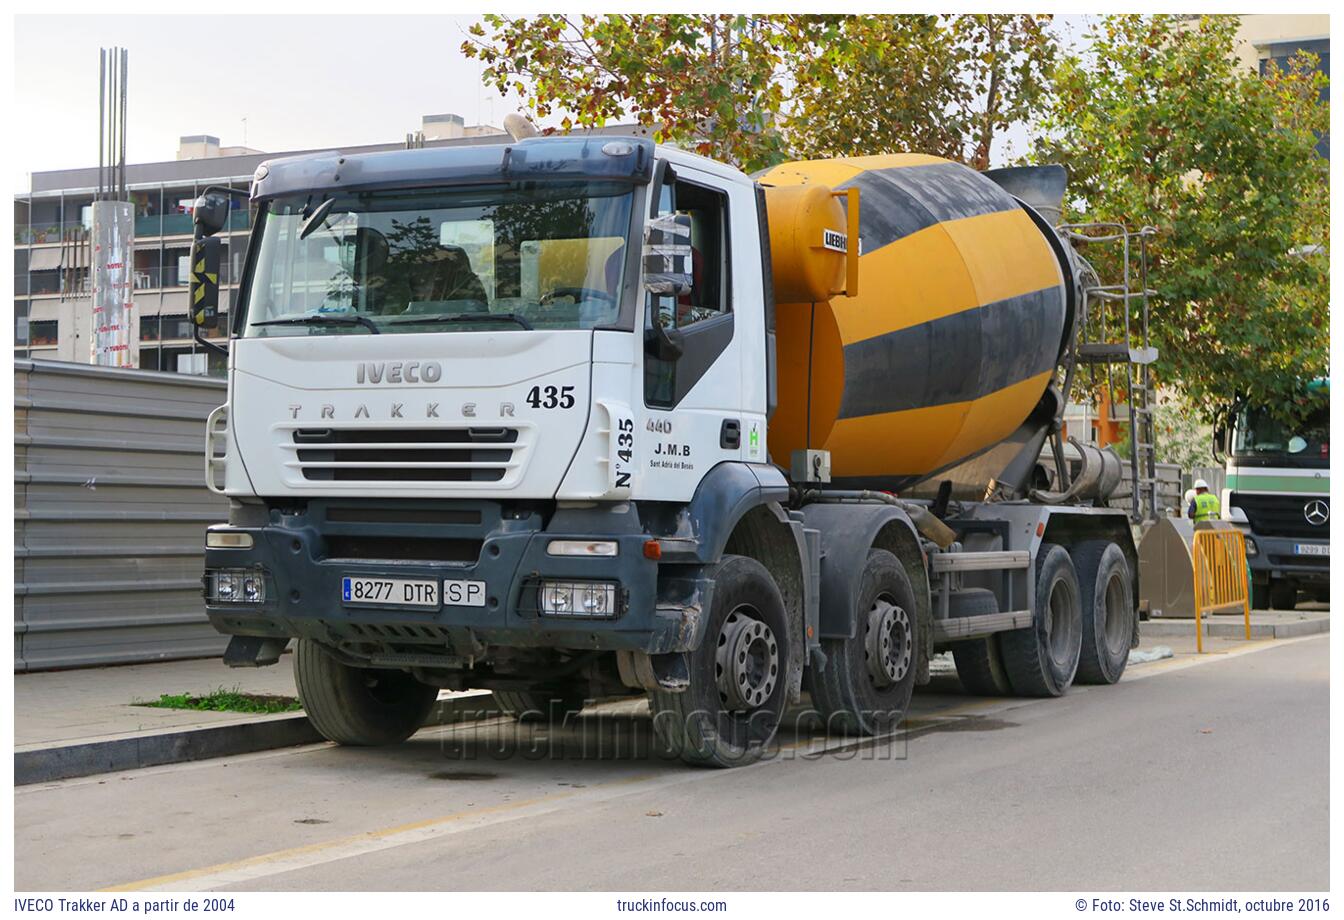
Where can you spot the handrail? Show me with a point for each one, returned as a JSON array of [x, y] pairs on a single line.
[[1220, 577]]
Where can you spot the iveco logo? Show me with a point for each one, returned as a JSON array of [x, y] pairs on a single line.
[[1316, 512], [398, 372]]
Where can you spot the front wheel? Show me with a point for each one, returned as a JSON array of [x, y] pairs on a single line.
[[866, 685], [729, 713], [1282, 595], [359, 706]]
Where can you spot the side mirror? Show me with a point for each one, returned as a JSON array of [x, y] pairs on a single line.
[[210, 213], [667, 254], [205, 254]]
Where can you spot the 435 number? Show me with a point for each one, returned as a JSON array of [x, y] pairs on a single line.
[[551, 397]]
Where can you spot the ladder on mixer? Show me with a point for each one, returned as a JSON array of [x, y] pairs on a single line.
[[1113, 334]]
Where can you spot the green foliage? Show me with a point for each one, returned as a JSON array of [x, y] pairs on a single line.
[[754, 90], [943, 85], [222, 700], [1161, 125], [709, 83], [1183, 436]]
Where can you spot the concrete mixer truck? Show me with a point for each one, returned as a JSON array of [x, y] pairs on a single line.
[[569, 418]]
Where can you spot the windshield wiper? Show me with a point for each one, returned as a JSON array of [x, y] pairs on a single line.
[[460, 318], [323, 319]]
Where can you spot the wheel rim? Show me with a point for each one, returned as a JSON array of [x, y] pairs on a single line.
[[746, 661], [888, 642], [1117, 628], [1062, 623]]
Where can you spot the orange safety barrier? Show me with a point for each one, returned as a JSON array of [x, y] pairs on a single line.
[[1220, 578]]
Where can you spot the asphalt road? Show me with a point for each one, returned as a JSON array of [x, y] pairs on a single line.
[[1209, 775]]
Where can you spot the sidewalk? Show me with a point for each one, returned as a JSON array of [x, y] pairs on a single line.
[[89, 704], [84, 721]]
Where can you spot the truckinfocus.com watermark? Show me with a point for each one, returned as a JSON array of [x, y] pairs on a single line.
[[618, 736], [670, 905]]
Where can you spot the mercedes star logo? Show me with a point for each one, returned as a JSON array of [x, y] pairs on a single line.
[[1316, 512]]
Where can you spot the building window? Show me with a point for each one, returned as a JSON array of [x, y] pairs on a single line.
[[176, 327], [42, 332]]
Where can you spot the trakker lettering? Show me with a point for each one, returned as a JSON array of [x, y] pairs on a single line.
[[398, 410]]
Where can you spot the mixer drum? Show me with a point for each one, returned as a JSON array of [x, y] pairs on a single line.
[[951, 340]]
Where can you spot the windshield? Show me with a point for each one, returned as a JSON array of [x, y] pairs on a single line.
[[522, 255], [1259, 436]]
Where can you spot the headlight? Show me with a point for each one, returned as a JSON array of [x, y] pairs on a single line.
[[578, 599], [1251, 548], [227, 539], [581, 548], [236, 586]]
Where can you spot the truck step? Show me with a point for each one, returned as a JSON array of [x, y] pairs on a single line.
[[984, 625], [980, 562]]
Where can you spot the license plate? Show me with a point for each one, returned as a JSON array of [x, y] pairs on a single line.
[[464, 594], [393, 592], [1312, 549]]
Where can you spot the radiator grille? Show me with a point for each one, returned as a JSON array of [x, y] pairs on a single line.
[[1281, 515], [386, 454]]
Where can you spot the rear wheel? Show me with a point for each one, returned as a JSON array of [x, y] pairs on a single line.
[[729, 713], [552, 706], [1108, 611], [359, 706], [865, 687], [1041, 659], [979, 661]]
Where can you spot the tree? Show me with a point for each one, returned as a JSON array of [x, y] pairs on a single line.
[[753, 90], [1160, 125], [710, 83]]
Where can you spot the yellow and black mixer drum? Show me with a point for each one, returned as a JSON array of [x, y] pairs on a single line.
[[951, 338]]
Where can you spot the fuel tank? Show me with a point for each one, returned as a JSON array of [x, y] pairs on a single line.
[[951, 335]]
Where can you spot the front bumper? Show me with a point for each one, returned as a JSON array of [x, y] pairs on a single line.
[[1277, 558], [306, 551]]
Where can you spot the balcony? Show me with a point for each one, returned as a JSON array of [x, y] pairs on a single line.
[[146, 227]]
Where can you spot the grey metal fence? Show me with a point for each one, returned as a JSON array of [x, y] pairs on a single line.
[[110, 509]]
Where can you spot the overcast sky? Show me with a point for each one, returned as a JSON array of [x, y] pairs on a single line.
[[299, 81]]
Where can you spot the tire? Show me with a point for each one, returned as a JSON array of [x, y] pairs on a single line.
[[1260, 595], [865, 687], [745, 650], [979, 661], [1107, 593], [552, 706], [1041, 659], [1282, 595], [359, 706]]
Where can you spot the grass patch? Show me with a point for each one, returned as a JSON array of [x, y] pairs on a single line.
[[222, 700]]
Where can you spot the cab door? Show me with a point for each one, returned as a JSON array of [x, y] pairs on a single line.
[[696, 410]]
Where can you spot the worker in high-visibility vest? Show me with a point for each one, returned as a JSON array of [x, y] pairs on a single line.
[[1205, 506]]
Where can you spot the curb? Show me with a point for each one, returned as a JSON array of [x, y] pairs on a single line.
[[1235, 628], [70, 761]]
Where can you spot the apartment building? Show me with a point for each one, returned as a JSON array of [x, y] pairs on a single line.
[[52, 307]]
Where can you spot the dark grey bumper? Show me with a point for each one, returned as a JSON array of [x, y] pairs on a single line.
[[658, 611], [1277, 558]]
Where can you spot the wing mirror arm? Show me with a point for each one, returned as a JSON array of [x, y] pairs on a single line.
[[665, 344]]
